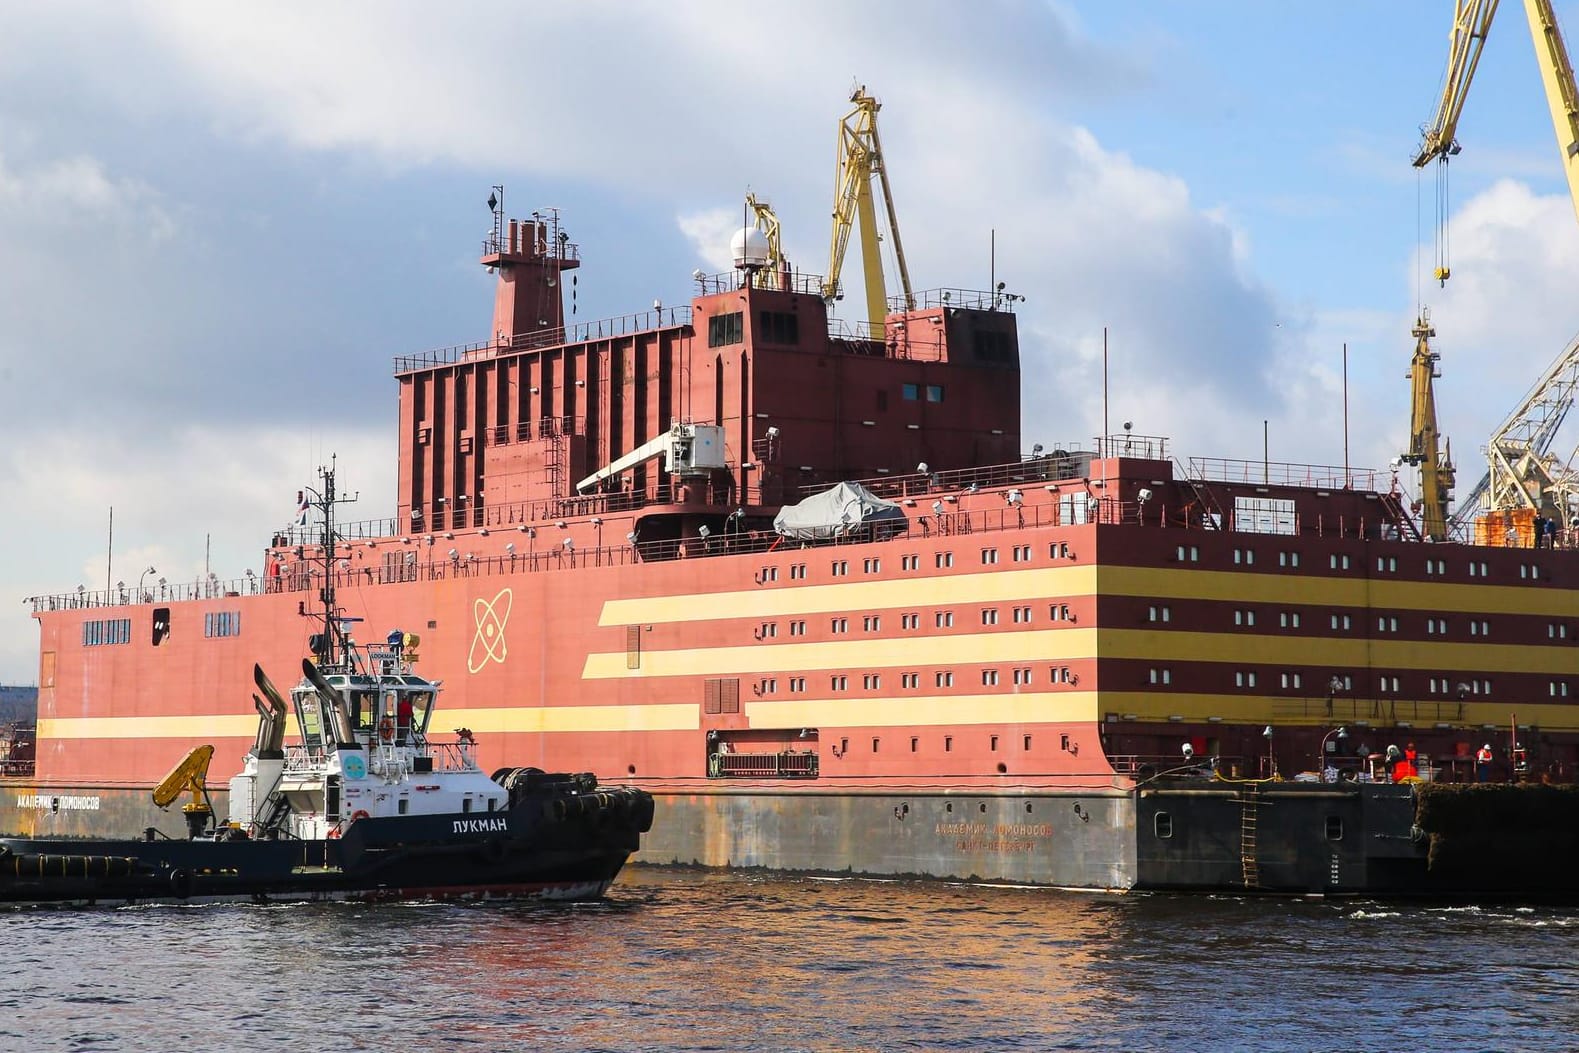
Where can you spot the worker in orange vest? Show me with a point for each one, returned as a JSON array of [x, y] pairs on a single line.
[[1483, 763], [1410, 768]]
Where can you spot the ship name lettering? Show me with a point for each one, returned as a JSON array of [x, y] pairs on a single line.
[[62, 803], [479, 826]]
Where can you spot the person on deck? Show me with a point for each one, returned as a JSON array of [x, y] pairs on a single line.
[[402, 719], [1483, 763]]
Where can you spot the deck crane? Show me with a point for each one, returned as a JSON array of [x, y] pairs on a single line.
[[764, 219], [859, 160], [1438, 142], [1521, 474], [1436, 467]]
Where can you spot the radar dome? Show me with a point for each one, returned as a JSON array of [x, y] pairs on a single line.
[[749, 248]]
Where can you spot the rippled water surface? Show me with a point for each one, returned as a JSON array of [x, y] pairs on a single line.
[[680, 960]]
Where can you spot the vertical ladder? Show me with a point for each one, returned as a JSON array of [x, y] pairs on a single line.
[[1249, 801]]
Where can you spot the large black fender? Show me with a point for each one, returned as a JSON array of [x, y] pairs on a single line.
[[181, 883]]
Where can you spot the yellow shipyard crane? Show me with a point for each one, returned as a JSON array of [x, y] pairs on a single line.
[[859, 161], [1521, 474]]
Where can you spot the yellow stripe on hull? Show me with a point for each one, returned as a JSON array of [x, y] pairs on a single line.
[[992, 587]]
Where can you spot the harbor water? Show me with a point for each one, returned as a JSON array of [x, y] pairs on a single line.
[[688, 960]]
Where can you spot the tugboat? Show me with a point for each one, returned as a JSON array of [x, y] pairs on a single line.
[[367, 806]]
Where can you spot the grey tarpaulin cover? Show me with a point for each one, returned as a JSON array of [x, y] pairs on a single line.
[[836, 512]]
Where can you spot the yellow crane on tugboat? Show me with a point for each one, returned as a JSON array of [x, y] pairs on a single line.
[[1522, 479]]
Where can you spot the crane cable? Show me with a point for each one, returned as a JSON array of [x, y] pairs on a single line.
[[1443, 207]]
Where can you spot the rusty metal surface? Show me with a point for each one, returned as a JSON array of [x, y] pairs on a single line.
[[1075, 840]]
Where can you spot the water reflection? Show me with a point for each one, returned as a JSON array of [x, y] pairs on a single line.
[[678, 960]]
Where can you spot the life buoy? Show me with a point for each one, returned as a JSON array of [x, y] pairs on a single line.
[[334, 831], [386, 729], [360, 813]]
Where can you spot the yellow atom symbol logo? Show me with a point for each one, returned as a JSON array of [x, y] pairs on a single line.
[[488, 644]]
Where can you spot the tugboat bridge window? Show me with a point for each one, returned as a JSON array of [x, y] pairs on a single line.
[[1162, 824]]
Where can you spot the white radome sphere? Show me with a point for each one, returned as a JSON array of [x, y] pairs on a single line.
[[749, 248]]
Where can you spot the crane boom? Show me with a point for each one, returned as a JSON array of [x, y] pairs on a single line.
[[1520, 472], [1471, 23], [1557, 76], [859, 159]]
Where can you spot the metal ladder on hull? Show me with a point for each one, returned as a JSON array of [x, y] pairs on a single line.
[[1249, 804]]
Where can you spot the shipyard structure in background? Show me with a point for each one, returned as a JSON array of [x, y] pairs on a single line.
[[631, 547]]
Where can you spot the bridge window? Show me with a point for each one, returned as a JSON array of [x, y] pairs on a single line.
[[725, 329], [778, 327]]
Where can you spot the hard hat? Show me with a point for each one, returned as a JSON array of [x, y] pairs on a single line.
[[1487, 746]]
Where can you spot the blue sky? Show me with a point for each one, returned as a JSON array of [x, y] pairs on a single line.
[[218, 225]]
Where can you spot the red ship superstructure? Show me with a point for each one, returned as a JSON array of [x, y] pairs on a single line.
[[987, 682]]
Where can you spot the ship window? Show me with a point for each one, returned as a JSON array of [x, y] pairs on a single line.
[[910, 392], [725, 329], [1027, 746], [1162, 824], [1334, 828], [222, 623], [101, 632], [992, 345], [875, 743], [995, 743], [778, 327], [466, 804], [405, 806], [161, 625], [948, 747], [934, 392], [493, 804]]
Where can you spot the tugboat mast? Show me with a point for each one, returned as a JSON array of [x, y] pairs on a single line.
[[331, 644]]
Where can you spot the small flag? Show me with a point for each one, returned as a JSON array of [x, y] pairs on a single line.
[[301, 508]]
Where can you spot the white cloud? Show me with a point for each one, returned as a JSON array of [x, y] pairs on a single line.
[[207, 500]]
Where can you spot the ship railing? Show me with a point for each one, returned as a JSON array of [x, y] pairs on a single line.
[[214, 588], [1140, 447], [1381, 711], [784, 764], [768, 278], [451, 756], [16, 768], [1267, 473], [1062, 465], [551, 336], [969, 299], [1143, 765], [306, 760]]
